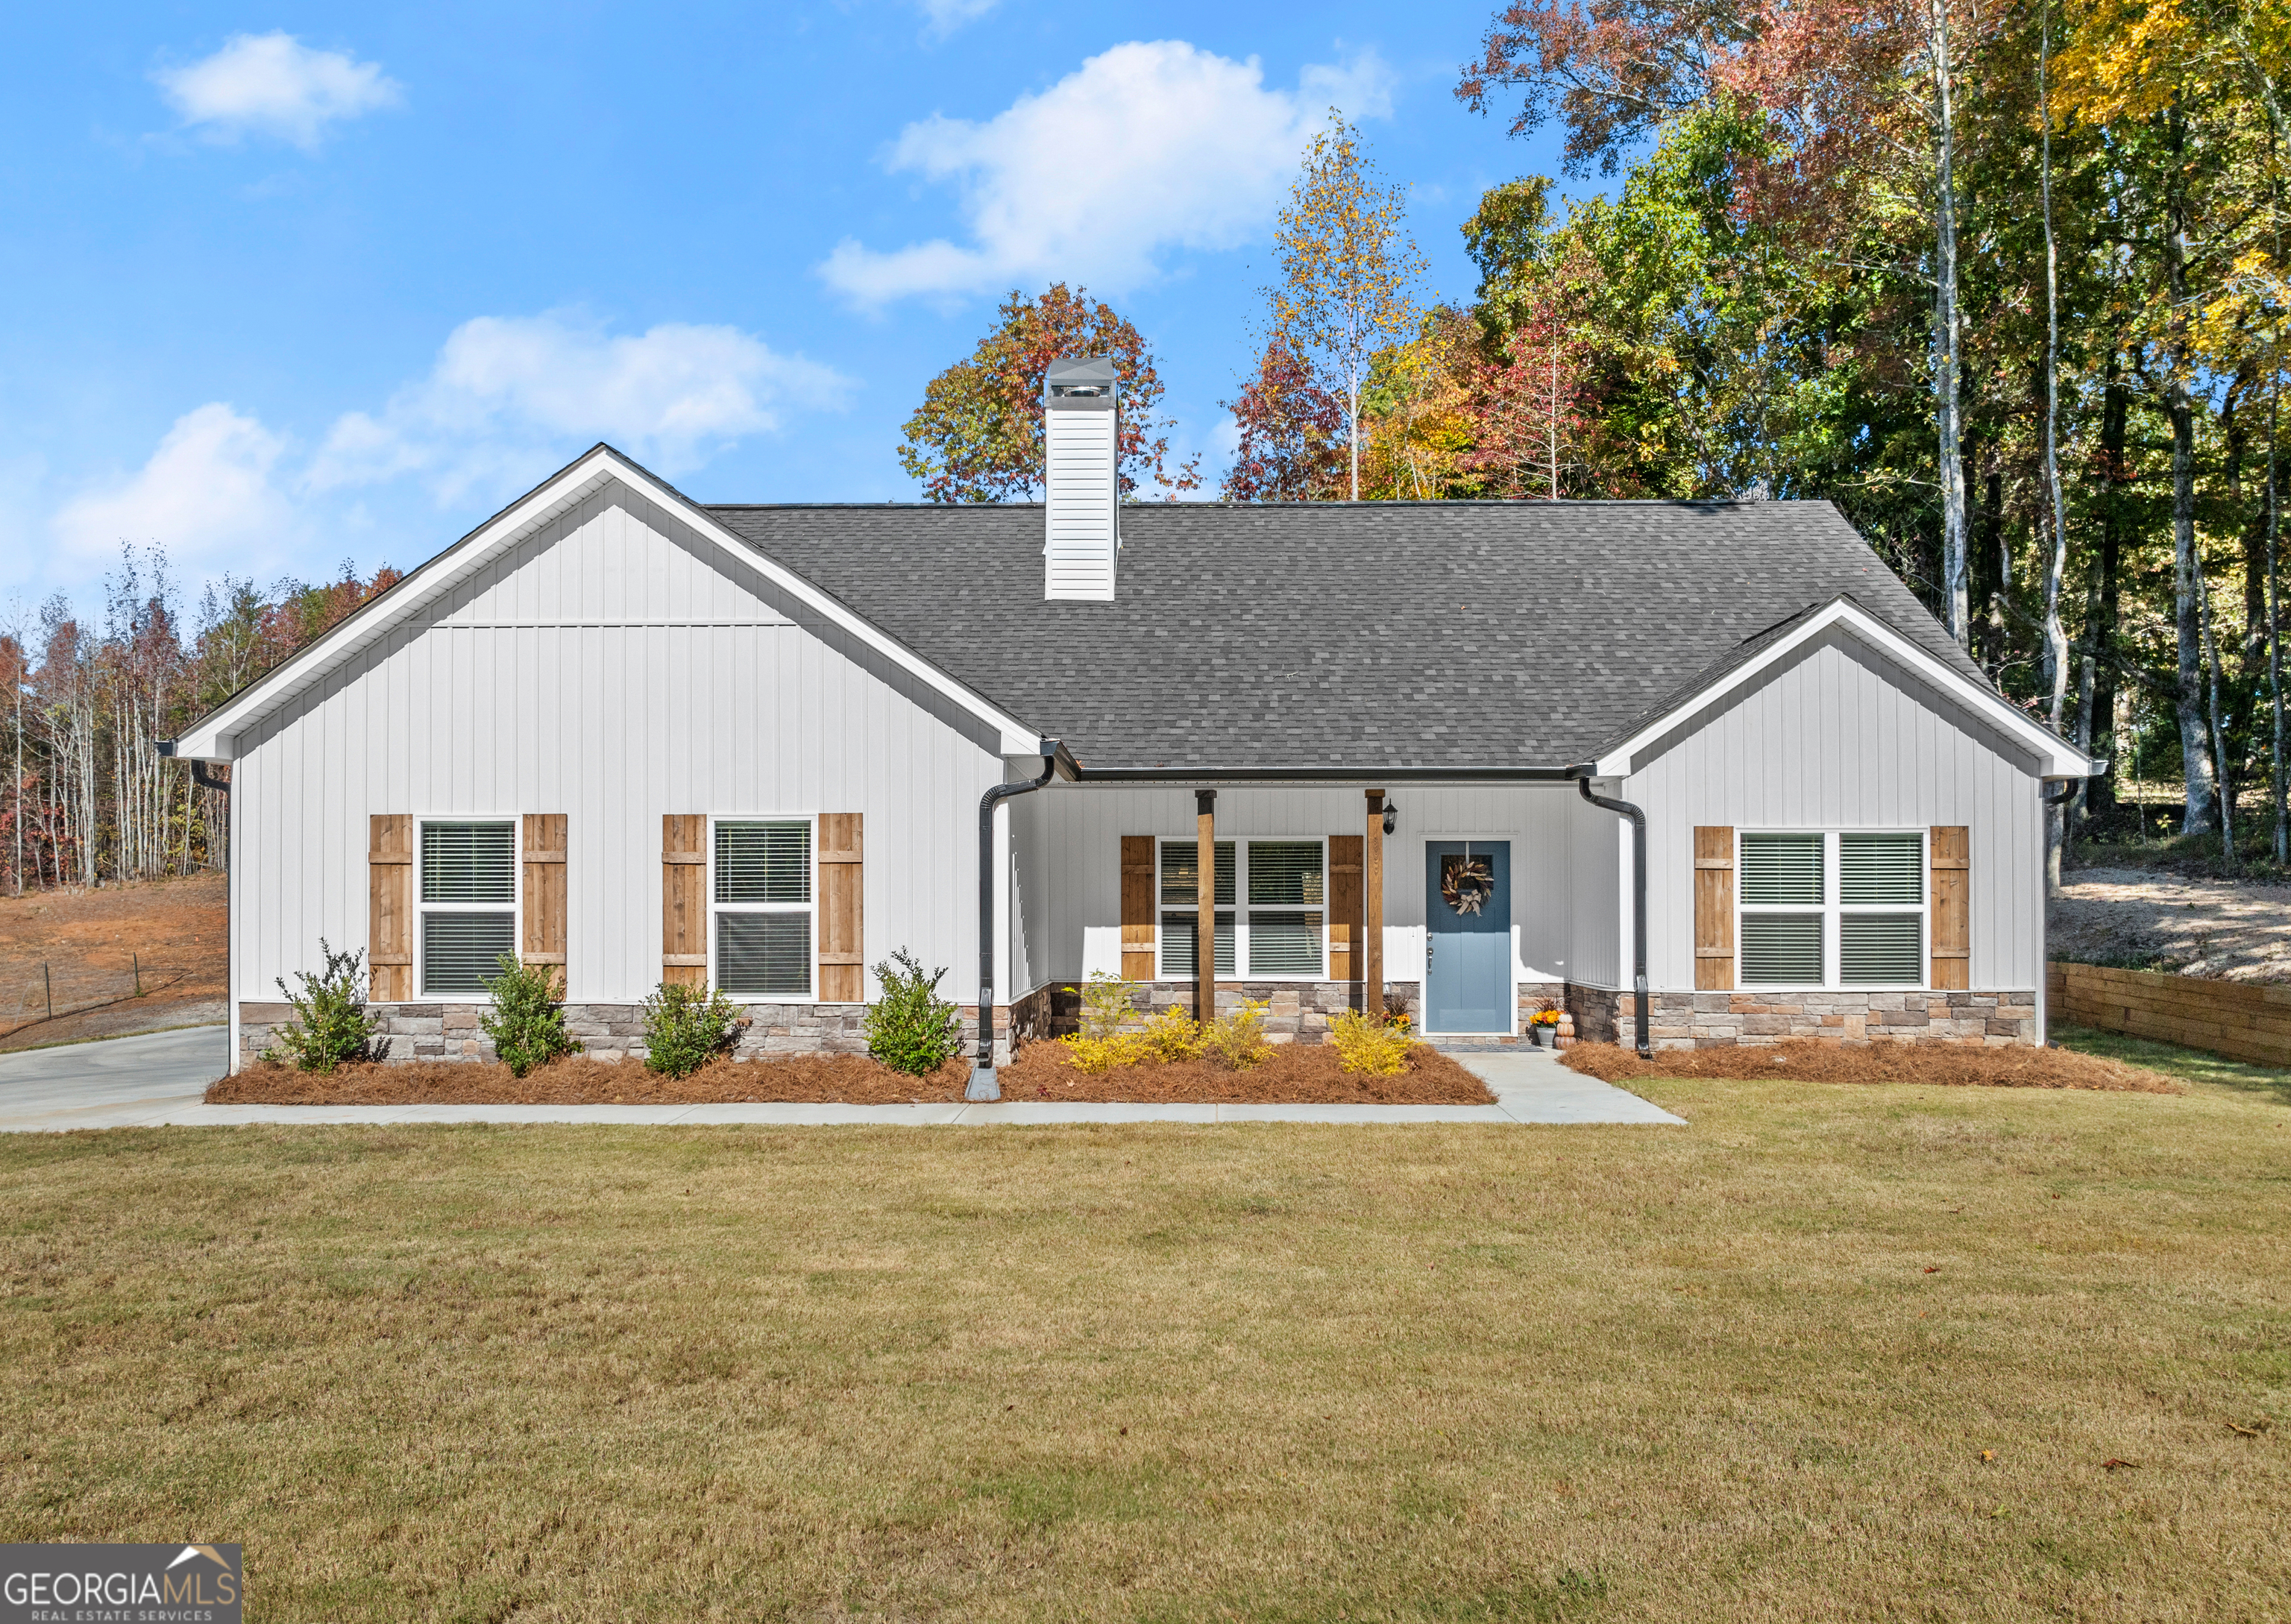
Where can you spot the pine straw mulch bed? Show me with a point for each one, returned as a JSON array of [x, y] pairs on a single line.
[[853, 1080], [1940, 1065], [1293, 1074]]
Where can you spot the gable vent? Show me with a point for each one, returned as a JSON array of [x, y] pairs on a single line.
[[1082, 444]]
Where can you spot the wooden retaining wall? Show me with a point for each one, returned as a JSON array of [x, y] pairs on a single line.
[[2242, 1021]]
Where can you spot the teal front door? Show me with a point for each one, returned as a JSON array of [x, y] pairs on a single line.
[[1467, 935]]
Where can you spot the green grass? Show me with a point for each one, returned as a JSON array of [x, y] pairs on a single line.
[[2193, 1066], [1829, 1353]]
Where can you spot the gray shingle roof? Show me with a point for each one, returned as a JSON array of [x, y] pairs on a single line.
[[1336, 635]]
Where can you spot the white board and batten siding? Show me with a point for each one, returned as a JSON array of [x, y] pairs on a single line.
[[608, 669], [1831, 744]]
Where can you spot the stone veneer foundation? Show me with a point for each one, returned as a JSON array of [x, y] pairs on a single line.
[[1299, 1012], [1712, 1020]]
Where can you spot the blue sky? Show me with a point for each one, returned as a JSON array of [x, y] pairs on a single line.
[[292, 286]]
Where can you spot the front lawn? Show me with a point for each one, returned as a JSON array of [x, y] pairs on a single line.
[[1878, 1353]]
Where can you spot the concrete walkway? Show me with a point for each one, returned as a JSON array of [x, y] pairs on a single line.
[[157, 1080]]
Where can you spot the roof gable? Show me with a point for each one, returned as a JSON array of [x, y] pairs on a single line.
[[468, 580]]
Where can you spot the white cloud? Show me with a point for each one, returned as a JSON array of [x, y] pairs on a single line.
[[946, 16], [506, 392], [207, 496], [1147, 148], [274, 85]]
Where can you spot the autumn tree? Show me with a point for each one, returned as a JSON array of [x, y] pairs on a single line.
[[1349, 270], [1292, 433], [977, 435]]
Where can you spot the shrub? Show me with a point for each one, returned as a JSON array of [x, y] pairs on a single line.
[[1108, 1002], [911, 1028], [1097, 1056], [1236, 1040], [686, 1027], [331, 1026], [528, 1020], [1173, 1036], [1370, 1046]]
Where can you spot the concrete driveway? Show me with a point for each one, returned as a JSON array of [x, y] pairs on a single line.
[[114, 1084], [161, 1078]]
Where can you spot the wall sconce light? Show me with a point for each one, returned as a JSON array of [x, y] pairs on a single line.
[[1391, 817]]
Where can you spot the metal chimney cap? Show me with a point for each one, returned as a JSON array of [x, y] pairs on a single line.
[[1085, 376]]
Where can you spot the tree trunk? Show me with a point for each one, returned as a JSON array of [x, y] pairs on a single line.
[[2195, 749], [2100, 632], [1947, 416]]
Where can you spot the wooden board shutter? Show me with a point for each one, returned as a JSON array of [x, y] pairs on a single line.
[[1713, 907], [1346, 962], [842, 919], [1950, 856], [390, 907], [1137, 907], [684, 900], [544, 889]]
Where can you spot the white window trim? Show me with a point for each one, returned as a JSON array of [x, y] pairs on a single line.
[[1831, 908], [1242, 906], [809, 907], [421, 910]]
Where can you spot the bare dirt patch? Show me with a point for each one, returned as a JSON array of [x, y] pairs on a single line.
[[1940, 1065], [2156, 919], [1294, 1073], [577, 1081], [85, 949]]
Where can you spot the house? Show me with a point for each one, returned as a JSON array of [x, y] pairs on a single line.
[[1699, 772]]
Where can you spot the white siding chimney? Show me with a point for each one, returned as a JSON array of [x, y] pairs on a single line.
[[1082, 442]]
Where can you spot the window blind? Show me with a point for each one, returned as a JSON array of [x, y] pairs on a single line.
[[1881, 869], [1181, 874], [1881, 948], [1284, 873], [1781, 950], [461, 951], [469, 863], [1282, 944], [1180, 950], [764, 955], [763, 862], [1781, 868]]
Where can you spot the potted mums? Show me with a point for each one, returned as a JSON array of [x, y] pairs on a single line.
[[1543, 1026]]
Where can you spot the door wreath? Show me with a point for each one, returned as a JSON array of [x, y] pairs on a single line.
[[1465, 883]]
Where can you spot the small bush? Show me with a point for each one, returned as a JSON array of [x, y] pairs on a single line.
[[1107, 1003], [911, 1028], [331, 1026], [1371, 1046], [1173, 1036], [1235, 1041], [1095, 1057], [686, 1027], [528, 1020]]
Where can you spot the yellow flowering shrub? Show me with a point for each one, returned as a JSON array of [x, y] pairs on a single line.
[[1365, 1044], [1236, 1039], [1174, 1035]]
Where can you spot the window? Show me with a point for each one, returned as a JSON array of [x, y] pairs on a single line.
[[1844, 909], [469, 904], [761, 902], [1280, 931]]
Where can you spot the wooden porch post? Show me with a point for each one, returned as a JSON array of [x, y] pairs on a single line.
[[1373, 906], [1205, 896]]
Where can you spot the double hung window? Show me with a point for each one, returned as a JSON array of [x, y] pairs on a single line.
[[760, 896], [1271, 908], [469, 903], [1823, 909]]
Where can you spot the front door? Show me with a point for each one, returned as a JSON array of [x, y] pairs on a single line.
[[1467, 935]]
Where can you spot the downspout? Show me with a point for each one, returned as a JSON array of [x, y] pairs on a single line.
[[983, 1085], [1582, 777]]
